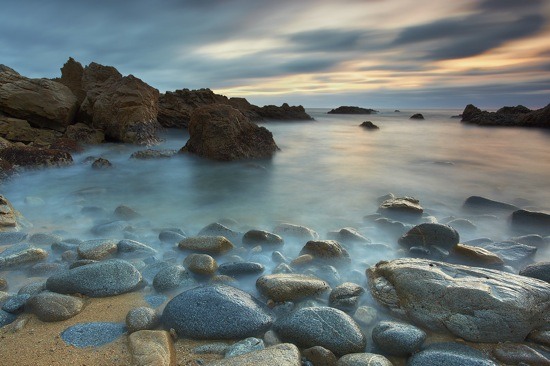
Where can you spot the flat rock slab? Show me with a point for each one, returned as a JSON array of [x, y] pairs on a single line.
[[152, 348], [92, 334], [216, 312], [106, 278], [479, 305], [284, 354], [289, 286], [322, 326]]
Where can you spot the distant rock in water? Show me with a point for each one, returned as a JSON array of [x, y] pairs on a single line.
[[282, 113], [351, 110], [369, 125], [220, 132], [508, 116], [417, 116]]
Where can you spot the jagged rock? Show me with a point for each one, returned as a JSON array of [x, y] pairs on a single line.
[[282, 113], [84, 134], [479, 305], [221, 132], [43, 103], [124, 108], [19, 130], [71, 77], [351, 110], [29, 156], [508, 116]]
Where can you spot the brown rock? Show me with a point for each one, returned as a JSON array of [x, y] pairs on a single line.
[[202, 264], [285, 354], [29, 156], [326, 250], [221, 132], [43, 103], [152, 348], [71, 77], [66, 144], [19, 130], [8, 217], [320, 356], [508, 116], [477, 255], [84, 134], [282, 113], [206, 244], [289, 287]]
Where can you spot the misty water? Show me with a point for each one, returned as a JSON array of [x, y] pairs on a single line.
[[327, 175]]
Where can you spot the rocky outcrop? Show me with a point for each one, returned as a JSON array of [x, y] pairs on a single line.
[[220, 132], [43, 103], [351, 110], [29, 156], [479, 305], [282, 113], [84, 134], [71, 77], [19, 130], [369, 125], [508, 116]]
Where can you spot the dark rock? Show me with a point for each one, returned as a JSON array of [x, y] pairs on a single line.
[[322, 326], [327, 250], [6, 318], [531, 222], [449, 354], [417, 116], [153, 154], [110, 228], [240, 268], [142, 318], [54, 307], [345, 296], [481, 204], [289, 287], [19, 130], [479, 305], [519, 354], [172, 237], [369, 125], [261, 237], [171, 277], [216, 312], [71, 77], [84, 134], [428, 234], [43, 103], [30, 156], [217, 229], [507, 116], [282, 113], [398, 339], [106, 278], [222, 133], [539, 270], [101, 163], [206, 244], [67, 145], [320, 356], [15, 304], [363, 359], [96, 334], [124, 212], [351, 110], [97, 249]]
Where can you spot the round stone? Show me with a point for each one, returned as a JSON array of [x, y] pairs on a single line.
[[53, 307], [398, 339], [201, 264], [141, 318]]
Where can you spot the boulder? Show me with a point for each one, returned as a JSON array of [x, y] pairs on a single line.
[[369, 125], [449, 354], [71, 76], [206, 244], [282, 287], [326, 250], [398, 339], [152, 348], [54, 307], [530, 222], [216, 312], [428, 234], [84, 134], [322, 326], [363, 359], [43, 103], [351, 110], [479, 305], [417, 116], [30, 156], [220, 132], [19, 130], [401, 208], [100, 279]]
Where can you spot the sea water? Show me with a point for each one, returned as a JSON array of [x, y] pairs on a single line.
[[327, 175]]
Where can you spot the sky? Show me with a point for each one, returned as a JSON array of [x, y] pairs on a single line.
[[318, 53]]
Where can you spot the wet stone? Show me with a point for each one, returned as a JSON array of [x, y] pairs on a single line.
[[293, 231], [247, 345], [21, 254], [63, 246], [516, 354], [476, 255], [364, 359], [142, 318], [110, 228], [261, 237], [398, 339], [328, 250], [54, 307], [171, 277], [320, 356], [240, 268], [92, 334], [97, 249], [12, 237], [44, 269], [346, 296], [289, 287], [44, 239], [123, 212], [216, 312], [217, 229], [169, 236], [401, 208], [15, 304], [428, 234], [539, 270], [322, 326], [449, 354], [350, 235], [6, 318], [201, 264], [485, 205], [531, 222], [134, 247], [206, 244], [365, 315], [32, 288]]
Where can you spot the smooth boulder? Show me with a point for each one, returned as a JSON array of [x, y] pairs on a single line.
[[479, 305], [216, 312], [282, 287], [54, 307]]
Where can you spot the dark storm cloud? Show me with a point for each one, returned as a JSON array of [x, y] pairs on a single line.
[[470, 36]]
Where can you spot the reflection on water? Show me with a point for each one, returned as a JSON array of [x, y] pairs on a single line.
[[327, 175]]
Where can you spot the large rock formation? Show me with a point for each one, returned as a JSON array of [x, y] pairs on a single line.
[[508, 116], [71, 77], [479, 305], [124, 108], [220, 132], [175, 108], [351, 110], [43, 103]]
